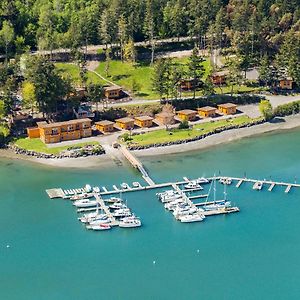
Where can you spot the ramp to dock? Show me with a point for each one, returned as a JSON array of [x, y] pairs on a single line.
[[137, 164]]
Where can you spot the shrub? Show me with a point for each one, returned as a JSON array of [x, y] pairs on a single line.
[[287, 109], [184, 125], [266, 109]]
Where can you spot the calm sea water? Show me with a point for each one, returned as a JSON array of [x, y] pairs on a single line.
[[250, 255]]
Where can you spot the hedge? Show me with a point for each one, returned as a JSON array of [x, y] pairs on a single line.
[[287, 109], [213, 100]]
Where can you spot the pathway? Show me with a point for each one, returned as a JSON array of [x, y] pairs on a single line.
[[92, 66]]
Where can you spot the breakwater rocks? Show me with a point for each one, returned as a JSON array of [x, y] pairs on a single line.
[[197, 138], [72, 152]]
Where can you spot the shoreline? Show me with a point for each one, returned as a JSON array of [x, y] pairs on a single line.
[[105, 160], [283, 124]]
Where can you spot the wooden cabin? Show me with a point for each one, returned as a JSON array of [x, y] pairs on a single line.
[[61, 131], [125, 123], [188, 84], [113, 92], [165, 118], [286, 83], [187, 115], [219, 78], [33, 132], [207, 111], [227, 108], [105, 126], [144, 121]]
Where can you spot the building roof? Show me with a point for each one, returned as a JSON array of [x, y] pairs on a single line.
[[186, 112], [112, 88], [227, 105], [125, 120], [104, 123], [221, 73], [144, 118], [58, 124], [286, 79], [207, 108], [165, 115]]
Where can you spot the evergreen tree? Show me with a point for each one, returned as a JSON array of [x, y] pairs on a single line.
[[196, 69]]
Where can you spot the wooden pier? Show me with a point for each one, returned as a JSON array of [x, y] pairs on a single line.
[[55, 193], [288, 188], [239, 183], [271, 187], [105, 208], [137, 164]]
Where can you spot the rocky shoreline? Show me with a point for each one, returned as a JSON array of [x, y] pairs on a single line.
[[200, 137], [69, 153]]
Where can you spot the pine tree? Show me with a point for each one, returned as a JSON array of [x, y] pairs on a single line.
[[196, 69]]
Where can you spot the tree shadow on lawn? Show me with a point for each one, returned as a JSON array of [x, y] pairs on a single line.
[[120, 76]]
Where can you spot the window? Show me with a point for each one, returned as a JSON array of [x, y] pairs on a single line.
[[54, 131]]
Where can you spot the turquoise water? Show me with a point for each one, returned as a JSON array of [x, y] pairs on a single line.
[[250, 255]]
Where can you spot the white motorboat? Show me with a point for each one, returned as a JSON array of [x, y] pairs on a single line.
[[96, 189], [84, 203], [185, 211], [192, 218], [123, 212], [169, 198], [258, 185], [113, 200], [124, 186], [192, 185], [167, 193], [100, 227], [175, 203], [87, 218], [88, 188], [130, 222], [225, 180], [117, 205], [101, 220], [136, 184], [202, 180]]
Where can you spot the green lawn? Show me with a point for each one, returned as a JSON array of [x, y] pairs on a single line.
[[38, 146], [162, 136], [72, 71], [124, 73]]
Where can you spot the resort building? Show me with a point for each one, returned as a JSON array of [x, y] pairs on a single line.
[[61, 131], [286, 83], [227, 108], [165, 118], [33, 132], [219, 78], [144, 121], [125, 123], [113, 92], [105, 126], [207, 111], [186, 115]]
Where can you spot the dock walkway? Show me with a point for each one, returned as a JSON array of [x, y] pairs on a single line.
[[102, 205], [137, 164]]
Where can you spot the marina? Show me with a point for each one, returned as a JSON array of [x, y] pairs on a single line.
[[181, 195]]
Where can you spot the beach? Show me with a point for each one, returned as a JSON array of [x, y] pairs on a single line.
[[228, 136]]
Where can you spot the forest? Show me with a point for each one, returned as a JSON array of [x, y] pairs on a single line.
[[251, 27]]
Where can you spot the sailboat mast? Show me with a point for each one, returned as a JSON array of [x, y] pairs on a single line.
[[214, 188]]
